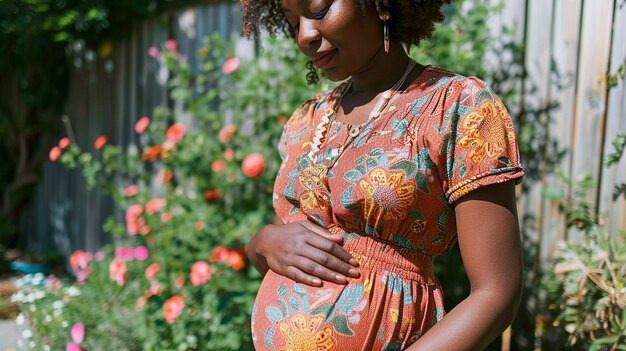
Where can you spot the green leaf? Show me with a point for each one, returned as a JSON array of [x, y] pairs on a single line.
[[341, 325]]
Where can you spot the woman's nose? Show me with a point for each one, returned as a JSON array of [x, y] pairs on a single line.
[[307, 33]]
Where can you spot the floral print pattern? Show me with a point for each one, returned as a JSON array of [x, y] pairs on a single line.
[[390, 193]]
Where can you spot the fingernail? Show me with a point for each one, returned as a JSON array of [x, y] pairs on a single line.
[[354, 272], [341, 279], [354, 262], [316, 281]]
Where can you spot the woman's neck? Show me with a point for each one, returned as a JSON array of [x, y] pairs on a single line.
[[385, 69]]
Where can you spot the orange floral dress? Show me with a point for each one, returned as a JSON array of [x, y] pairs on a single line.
[[390, 194]]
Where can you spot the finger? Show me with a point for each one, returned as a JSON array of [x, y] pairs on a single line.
[[298, 276], [315, 269], [315, 228], [332, 248], [329, 262]]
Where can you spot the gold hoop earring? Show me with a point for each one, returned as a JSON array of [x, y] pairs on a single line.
[[384, 16]]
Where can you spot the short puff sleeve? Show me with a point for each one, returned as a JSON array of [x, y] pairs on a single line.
[[475, 143]]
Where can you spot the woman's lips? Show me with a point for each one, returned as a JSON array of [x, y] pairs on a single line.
[[324, 59]]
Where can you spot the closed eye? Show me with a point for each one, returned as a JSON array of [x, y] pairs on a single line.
[[314, 16]]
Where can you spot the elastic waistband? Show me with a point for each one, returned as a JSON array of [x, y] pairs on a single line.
[[378, 256]]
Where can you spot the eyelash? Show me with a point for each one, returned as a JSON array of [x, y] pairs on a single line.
[[318, 16]]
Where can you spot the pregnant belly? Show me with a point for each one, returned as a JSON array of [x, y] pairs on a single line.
[[383, 309]]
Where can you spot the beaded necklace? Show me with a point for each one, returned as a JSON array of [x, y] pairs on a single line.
[[331, 112]]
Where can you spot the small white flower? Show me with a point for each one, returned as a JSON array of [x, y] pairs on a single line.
[[65, 324], [18, 296], [20, 343], [57, 313], [27, 334], [46, 347], [39, 294], [47, 318], [20, 319], [57, 305], [32, 308], [32, 344], [72, 291]]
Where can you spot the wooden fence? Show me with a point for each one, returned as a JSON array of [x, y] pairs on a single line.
[[570, 46], [107, 97]]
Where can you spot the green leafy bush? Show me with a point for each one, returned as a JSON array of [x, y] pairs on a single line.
[[586, 282], [194, 191]]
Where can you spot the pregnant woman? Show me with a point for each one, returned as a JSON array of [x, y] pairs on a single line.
[[379, 176]]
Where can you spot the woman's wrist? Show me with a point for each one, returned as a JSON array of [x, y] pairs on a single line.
[[255, 251]]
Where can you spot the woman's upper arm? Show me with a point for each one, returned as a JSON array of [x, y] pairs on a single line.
[[489, 238]]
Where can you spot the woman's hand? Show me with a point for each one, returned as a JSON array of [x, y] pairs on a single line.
[[303, 252]]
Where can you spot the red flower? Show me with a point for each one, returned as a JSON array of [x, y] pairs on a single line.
[[163, 176], [141, 301], [229, 154], [199, 225], [226, 133], [171, 45], [282, 119], [175, 133], [180, 281], [172, 308], [117, 270], [200, 273], [230, 65], [152, 153], [220, 254], [166, 217], [152, 270], [253, 165], [142, 124], [235, 260], [212, 195], [55, 153], [133, 222], [64, 142], [100, 141], [131, 190], [153, 206], [218, 166]]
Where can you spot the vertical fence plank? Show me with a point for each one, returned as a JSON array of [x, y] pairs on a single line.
[[615, 122], [591, 93], [563, 77]]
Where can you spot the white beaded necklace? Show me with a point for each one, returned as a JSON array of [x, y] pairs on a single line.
[[322, 128]]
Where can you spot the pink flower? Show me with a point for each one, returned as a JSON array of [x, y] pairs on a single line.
[[155, 288], [226, 133], [153, 52], [200, 273], [80, 259], [54, 153], [64, 142], [166, 217], [141, 253], [230, 65], [153, 206], [73, 347], [171, 45], [218, 166], [78, 333], [229, 154], [117, 271], [133, 223], [253, 165], [199, 225], [99, 256], [100, 142], [142, 124], [180, 281], [124, 253], [172, 308], [141, 301], [175, 133], [131, 190], [152, 270], [220, 253]]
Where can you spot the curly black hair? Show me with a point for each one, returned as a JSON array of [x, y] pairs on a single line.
[[410, 22]]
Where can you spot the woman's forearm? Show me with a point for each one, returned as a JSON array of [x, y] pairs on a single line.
[[472, 324]]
